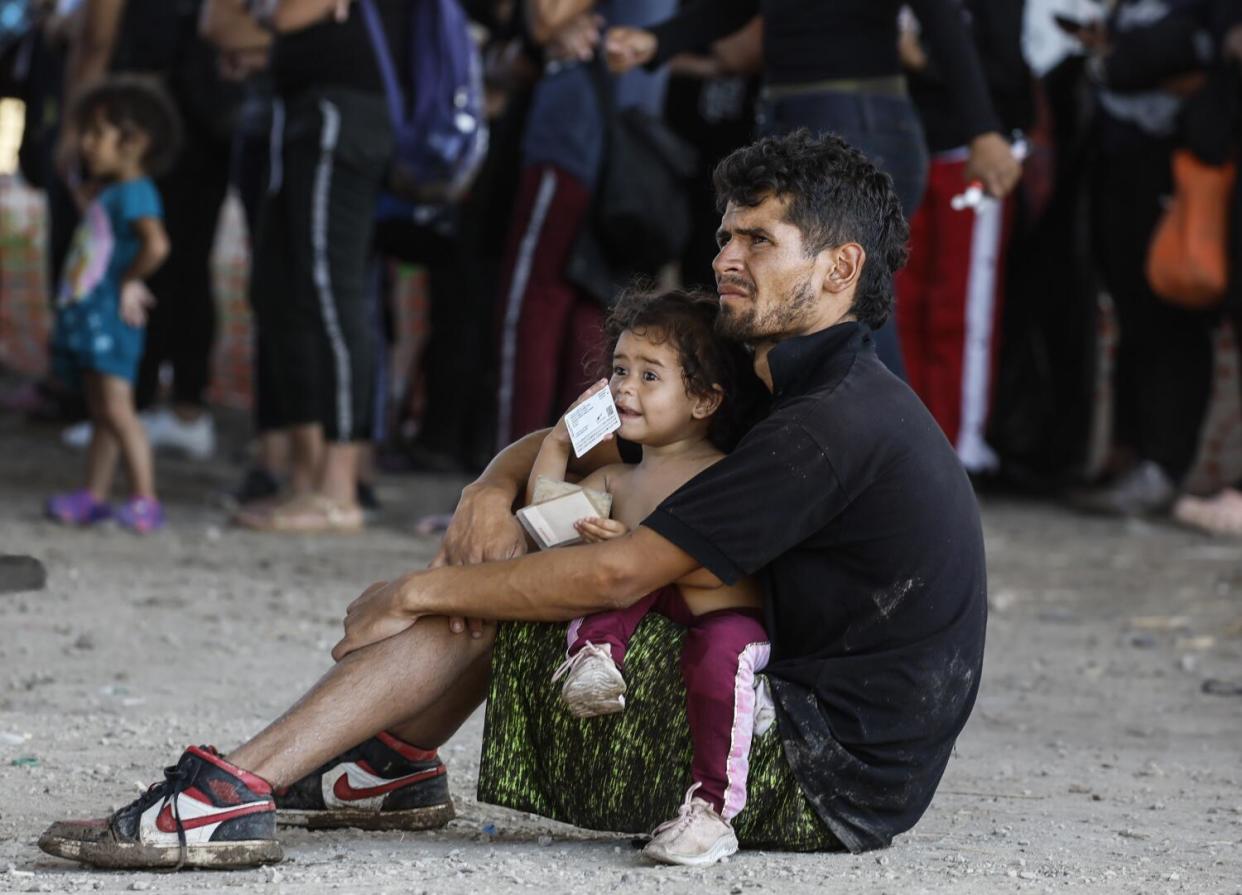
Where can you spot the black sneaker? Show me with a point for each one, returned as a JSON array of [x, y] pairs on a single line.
[[206, 813], [367, 498], [258, 484], [383, 784]]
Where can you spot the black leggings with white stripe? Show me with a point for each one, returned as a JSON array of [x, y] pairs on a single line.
[[316, 340]]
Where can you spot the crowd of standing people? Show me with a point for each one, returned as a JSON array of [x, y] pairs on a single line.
[[288, 104], [897, 309]]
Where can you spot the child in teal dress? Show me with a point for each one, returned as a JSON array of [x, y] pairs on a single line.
[[127, 131]]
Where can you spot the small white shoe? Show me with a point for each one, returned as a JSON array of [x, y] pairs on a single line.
[[697, 836], [197, 438], [593, 684], [77, 436]]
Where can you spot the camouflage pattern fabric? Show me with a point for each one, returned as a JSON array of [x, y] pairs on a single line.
[[626, 772]]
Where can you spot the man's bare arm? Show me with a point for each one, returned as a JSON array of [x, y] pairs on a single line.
[[555, 585]]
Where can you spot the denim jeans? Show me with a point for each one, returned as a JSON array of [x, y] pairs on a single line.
[[884, 128]]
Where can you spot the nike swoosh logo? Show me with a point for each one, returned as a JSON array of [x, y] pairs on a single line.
[[166, 823], [345, 791]]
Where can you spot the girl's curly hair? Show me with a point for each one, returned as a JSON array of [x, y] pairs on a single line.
[[687, 319], [132, 104]]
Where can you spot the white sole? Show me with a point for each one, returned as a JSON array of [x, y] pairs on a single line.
[[723, 848], [429, 818], [127, 855]]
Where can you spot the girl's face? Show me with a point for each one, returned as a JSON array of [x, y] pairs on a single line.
[[650, 393], [108, 153]]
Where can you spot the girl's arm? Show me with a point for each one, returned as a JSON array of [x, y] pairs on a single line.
[[554, 453], [136, 298], [152, 250], [553, 458]]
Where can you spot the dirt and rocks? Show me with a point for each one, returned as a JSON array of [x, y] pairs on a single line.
[[1094, 761]]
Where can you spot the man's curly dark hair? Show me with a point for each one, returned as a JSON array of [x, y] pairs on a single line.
[[836, 195], [687, 320], [133, 103]]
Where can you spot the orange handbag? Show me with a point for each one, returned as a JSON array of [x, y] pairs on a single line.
[[1188, 259]]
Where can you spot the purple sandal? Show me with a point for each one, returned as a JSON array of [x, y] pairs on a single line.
[[77, 508], [141, 515]]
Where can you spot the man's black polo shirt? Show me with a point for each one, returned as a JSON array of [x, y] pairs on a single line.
[[851, 507]]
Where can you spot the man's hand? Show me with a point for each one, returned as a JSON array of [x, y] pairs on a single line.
[[594, 529], [993, 164], [577, 40], [626, 48], [136, 300], [379, 613]]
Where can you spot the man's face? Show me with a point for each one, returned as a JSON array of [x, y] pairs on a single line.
[[769, 288]]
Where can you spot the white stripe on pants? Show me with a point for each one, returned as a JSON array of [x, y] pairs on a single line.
[[518, 282], [322, 269], [985, 243]]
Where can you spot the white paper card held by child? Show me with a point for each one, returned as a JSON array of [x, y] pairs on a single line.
[[551, 523], [591, 420]]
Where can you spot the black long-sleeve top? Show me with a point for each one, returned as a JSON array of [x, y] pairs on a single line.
[[996, 27], [805, 41]]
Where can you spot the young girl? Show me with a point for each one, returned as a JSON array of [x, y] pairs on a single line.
[[127, 132], [677, 387]]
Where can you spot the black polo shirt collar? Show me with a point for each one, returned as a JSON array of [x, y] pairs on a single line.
[[818, 359]]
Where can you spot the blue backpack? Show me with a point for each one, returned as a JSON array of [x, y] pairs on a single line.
[[441, 130]]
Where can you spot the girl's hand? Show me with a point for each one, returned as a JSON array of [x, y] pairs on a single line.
[[593, 529], [136, 300], [560, 432]]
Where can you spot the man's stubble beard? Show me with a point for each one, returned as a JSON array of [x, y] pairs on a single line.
[[786, 318]]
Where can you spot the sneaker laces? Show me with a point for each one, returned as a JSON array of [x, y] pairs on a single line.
[[684, 813], [177, 779], [571, 663]]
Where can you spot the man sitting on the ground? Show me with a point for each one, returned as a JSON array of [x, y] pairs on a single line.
[[846, 500]]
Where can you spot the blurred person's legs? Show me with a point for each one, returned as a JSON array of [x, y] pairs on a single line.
[[876, 118], [537, 344], [1164, 355], [318, 319], [951, 295]]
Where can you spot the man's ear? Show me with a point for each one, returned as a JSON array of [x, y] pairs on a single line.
[[706, 405], [847, 263]]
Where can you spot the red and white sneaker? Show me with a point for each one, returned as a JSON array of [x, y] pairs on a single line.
[[382, 784], [206, 813]]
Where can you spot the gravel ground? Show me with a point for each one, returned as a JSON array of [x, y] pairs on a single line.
[[1094, 761]]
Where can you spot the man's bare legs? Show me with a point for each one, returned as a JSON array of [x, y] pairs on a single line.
[[421, 684]]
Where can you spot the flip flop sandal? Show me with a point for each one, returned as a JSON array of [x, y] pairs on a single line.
[[305, 514]]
